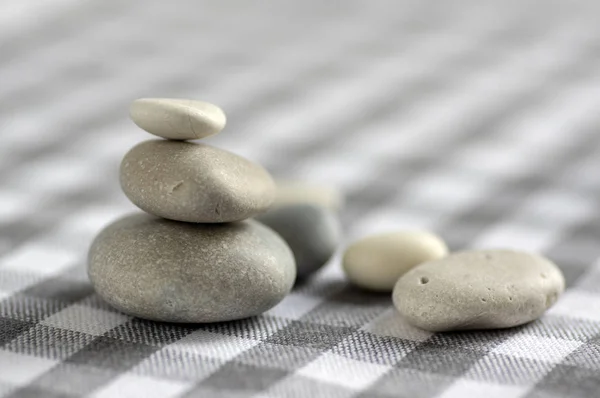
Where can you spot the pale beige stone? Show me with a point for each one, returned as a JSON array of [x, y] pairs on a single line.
[[478, 290], [297, 192], [376, 262], [177, 119]]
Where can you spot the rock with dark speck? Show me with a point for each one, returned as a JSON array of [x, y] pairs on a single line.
[[485, 289], [193, 182]]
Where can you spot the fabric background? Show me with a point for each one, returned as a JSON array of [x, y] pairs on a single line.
[[477, 120]]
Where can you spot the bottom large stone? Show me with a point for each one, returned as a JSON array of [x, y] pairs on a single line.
[[171, 271]]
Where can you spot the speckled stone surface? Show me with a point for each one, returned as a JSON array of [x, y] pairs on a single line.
[[312, 232], [377, 261], [177, 119], [170, 271], [193, 182], [478, 290]]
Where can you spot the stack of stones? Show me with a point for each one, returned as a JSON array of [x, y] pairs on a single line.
[[194, 255]]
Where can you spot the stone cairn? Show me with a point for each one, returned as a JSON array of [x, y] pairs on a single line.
[[194, 255]]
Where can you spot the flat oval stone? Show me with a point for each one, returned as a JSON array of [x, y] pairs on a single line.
[[312, 232], [296, 192], [177, 119], [192, 182], [478, 290], [170, 271], [376, 262]]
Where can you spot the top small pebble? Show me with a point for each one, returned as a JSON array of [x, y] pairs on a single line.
[[177, 119]]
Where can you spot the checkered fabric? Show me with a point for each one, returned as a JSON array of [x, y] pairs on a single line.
[[477, 120]]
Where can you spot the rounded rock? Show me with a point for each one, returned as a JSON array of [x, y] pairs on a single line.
[[478, 290], [177, 119], [169, 271], [376, 262], [193, 182], [312, 232], [296, 192]]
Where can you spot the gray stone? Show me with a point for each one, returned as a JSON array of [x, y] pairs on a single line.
[[177, 119], [171, 271], [312, 232], [478, 290], [192, 182]]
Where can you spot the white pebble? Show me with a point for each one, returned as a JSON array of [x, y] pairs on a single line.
[[376, 262], [177, 119]]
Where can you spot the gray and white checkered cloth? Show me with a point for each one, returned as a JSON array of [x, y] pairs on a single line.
[[477, 120]]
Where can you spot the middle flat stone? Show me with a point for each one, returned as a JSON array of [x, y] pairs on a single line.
[[193, 182]]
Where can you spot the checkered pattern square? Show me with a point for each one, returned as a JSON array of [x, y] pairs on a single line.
[[479, 121]]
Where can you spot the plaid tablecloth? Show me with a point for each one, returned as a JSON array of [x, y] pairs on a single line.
[[477, 120]]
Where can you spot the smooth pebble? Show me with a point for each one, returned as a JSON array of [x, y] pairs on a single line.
[[312, 232], [376, 262], [193, 182], [170, 271], [478, 290], [177, 119], [296, 192]]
